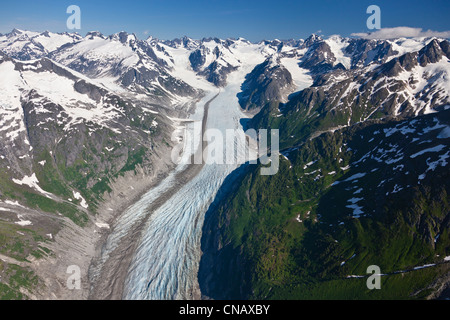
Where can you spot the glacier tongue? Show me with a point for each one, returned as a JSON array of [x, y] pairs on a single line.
[[165, 264]]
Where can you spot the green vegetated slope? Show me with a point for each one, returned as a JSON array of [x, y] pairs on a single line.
[[375, 193], [74, 169]]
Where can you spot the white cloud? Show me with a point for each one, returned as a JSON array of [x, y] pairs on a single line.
[[402, 32]]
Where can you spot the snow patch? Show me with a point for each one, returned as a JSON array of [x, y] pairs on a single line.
[[33, 183], [78, 196], [102, 225], [445, 133], [309, 164], [433, 149], [22, 222]]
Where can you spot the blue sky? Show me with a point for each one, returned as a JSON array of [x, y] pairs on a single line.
[[252, 19]]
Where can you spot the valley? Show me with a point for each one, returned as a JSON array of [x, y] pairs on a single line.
[[89, 125]]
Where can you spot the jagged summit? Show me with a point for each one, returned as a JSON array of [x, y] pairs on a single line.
[[94, 34], [312, 39]]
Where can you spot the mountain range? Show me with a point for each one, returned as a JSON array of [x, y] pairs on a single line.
[[87, 123]]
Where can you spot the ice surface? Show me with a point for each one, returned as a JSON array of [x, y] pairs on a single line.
[[337, 45], [300, 76], [173, 231]]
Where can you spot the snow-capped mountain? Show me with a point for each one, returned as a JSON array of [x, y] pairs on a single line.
[[53, 117], [123, 60], [363, 177], [269, 81], [28, 45], [413, 83], [148, 67], [53, 83]]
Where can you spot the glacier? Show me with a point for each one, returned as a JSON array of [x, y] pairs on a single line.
[[165, 263]]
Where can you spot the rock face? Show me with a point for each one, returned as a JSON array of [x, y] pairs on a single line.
[[433, 52], [269, 81], [319, 58], [197, 60], [364, 52], [213, 60], [399, 88]]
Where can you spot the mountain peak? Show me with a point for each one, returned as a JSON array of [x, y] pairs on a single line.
[[313, 38], [16, 32], [124, 37], [46, 34], [93, 34], [431, 53]]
